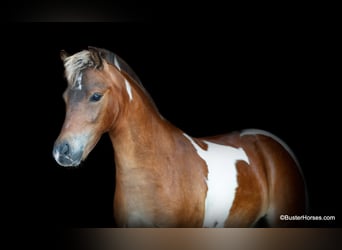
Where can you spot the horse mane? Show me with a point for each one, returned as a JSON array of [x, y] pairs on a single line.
[[118, 62]]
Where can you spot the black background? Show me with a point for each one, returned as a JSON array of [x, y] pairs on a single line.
[[206, 78]]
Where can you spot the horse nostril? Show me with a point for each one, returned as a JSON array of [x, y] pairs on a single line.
[[64, 149]]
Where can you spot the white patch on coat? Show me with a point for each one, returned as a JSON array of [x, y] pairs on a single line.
[[78, 84], [222, 180], [129, 90], [116, 63]]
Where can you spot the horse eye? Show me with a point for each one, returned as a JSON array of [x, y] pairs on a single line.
[[95, 97]]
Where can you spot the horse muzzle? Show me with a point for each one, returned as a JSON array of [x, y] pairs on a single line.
[[65, 155]]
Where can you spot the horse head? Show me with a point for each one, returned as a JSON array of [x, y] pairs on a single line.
[[90, 108]]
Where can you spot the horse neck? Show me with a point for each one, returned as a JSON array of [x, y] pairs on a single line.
[[141, 135]]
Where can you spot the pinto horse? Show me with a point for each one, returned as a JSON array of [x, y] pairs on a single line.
[[164, 177]]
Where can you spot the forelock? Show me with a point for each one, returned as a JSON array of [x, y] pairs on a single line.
[[76, 63]]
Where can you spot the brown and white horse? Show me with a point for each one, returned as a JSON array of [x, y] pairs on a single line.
[[164, 177]]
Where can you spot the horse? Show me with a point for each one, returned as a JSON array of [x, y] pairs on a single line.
[[165, 177]]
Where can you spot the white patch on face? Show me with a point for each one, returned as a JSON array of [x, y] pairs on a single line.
[[78, 84], [129, 90], [116, 63], [222, 180]]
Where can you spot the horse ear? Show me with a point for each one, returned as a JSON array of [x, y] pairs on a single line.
[[106, 55], [63, 54], [96, 57]]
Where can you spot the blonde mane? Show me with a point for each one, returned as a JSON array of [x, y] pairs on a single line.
[[76, 63]]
